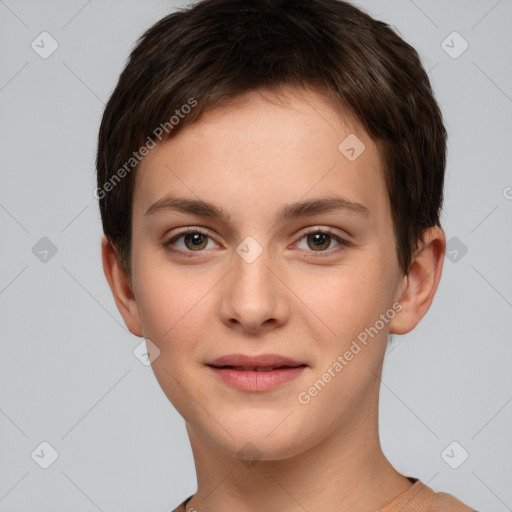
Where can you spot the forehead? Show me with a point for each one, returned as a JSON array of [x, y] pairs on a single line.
[[261, 150]]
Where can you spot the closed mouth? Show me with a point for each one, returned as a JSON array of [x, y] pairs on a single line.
[[255, 368]]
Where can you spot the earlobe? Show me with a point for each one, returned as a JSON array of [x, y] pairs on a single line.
[[419, 286], [121, 288]]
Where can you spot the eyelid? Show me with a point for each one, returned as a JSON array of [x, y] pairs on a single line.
[[191, 229], [324, 229]]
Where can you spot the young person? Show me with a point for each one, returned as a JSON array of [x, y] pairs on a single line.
[[270, 177]]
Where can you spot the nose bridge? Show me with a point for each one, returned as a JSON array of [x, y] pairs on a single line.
[[253, 276], [252, 297]]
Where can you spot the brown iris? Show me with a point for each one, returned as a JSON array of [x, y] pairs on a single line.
[[198, 241], [320, 241]]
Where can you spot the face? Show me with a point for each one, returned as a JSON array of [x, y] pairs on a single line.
[[255, 234]]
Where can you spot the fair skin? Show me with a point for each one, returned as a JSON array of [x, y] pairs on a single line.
[[250, 158]]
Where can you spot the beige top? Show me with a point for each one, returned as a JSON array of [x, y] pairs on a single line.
[[419, 498]]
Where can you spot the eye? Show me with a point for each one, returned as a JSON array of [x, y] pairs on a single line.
[[319, 240], [193, 240]]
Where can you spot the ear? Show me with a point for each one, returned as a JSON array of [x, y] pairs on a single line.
[[121, 287], [418, 287]]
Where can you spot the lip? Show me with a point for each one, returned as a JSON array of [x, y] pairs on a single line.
[[253, 373], [262, 360]]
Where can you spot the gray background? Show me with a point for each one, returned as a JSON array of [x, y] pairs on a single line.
[[68, 375]]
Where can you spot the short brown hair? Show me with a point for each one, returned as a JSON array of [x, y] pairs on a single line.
[[216, 50]]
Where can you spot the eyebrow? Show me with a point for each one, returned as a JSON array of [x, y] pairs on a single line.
[[287, 212]]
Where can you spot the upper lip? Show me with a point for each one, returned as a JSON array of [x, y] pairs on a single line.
[[262, 360]]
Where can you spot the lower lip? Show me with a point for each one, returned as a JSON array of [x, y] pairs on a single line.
[[251, 380]]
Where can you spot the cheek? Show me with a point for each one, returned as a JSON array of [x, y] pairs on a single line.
[[160, 295], [171, 305], [344, 302], [172, 301], [349, 304]]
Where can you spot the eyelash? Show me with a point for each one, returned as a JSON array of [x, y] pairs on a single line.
[[309, 231]]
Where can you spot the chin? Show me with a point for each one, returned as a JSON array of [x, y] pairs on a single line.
[[254, 439]]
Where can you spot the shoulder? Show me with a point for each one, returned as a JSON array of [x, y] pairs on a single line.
[[182, 507], [422, 498], [444, 502]]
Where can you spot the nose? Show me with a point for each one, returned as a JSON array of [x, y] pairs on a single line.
[[254, 299]]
